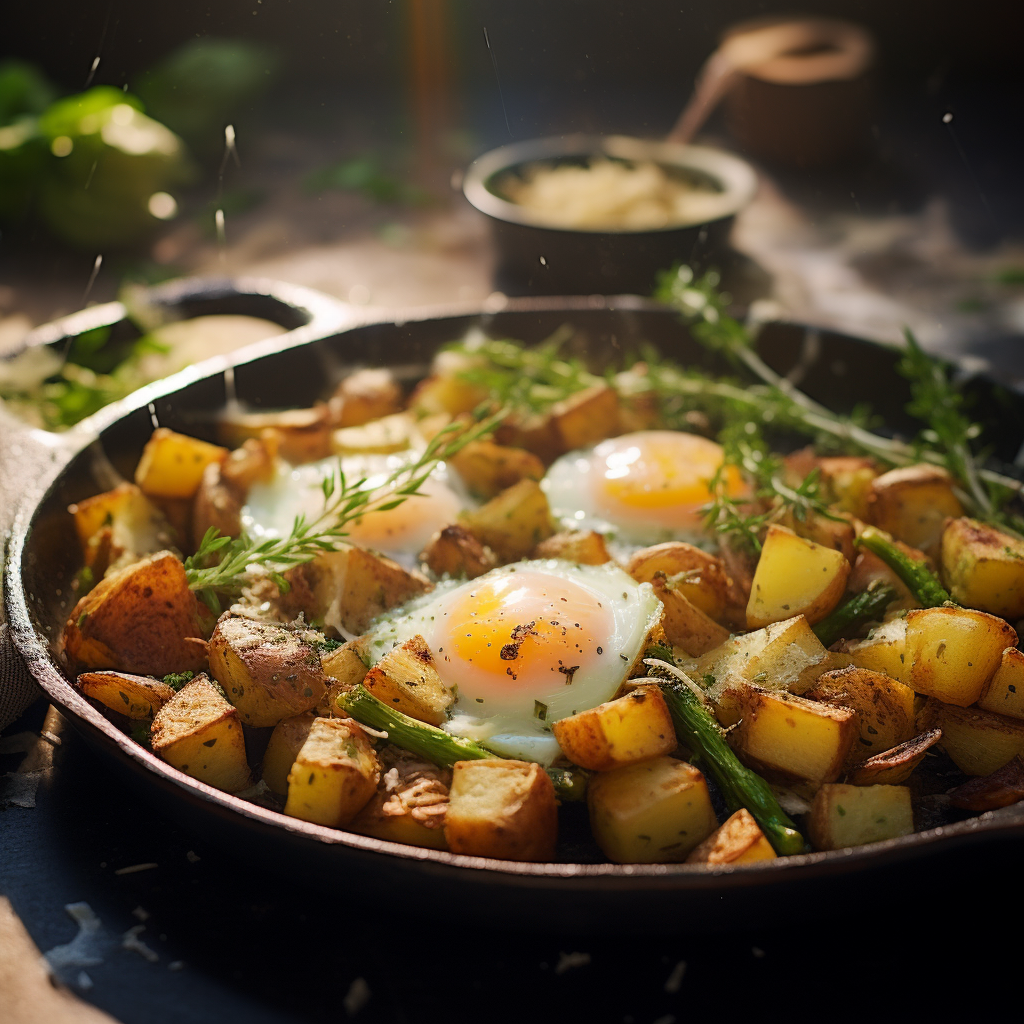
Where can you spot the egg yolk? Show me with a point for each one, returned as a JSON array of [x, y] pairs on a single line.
[[524, 634], [659, 477]]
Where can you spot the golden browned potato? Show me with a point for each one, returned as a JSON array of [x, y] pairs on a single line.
[[584, 547], [301, 435], [364, 395], [217, 505], [283, 747], [345, 590], [893, 767], [344, 667], [131, 695], [885, 707], [632, 728], [503, 809], [587, 417], [513, 523], [455, 552], [837, 534], [334, 775], [979, 742], [739, 841], [652, 812], [406, 679], [912, 503], [795, 576], [883, 650], [142, 619], [1004, 692], [487, 468], [844, 480], [983, 567], [1000, 789], [268, 672], [198, 732], [951, 653], [685, 625], [172, 464], [791, 738], [844, 815]]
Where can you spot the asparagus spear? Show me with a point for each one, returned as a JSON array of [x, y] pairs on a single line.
[[841, 622], [438, 746], [739, 785], [923, 583]]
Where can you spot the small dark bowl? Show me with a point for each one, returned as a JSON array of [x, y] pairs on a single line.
[[536, 257]]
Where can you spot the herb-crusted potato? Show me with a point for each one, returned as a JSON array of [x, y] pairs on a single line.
[[343, 667], [844, 815], [487, 468], [685, 625], [455, 552], [135, 696], [406, 679], [983, 567], [584, 547], [504, 809], [739, 841], [283, 747], [513, 523], [1004, 692], [979, 742], [364, 395], [893, 767], [199, 732], [172, 464], [268, 672], [912, 503]]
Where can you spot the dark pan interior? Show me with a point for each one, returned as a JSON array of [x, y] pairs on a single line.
[[838, 371]]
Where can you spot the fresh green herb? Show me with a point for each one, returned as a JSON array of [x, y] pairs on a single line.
[[540, 710], [140, 732], [223, 566], [176, 680]]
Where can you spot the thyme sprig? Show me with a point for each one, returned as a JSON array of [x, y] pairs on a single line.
[[222, 565]]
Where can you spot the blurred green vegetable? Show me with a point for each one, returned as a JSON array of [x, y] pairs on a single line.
[[364, 174], [24, 94]]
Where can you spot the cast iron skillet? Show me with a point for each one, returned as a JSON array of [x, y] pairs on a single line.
[[582, 894]]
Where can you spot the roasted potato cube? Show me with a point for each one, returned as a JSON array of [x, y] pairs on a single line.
[[134, 696], [142, 619], [912, 503], [979, 742], [632, 728], [1000, 789], [583, 547], [792, 738], [652, 812], [537, 434], [301, 435], [953, 652], [283, 748], [883, 650], [895, 766], [268, 672], [699, 576], [198, 732], [446, 390], [365, 395], [885, 707], [843, 815], [172, 464], [739, 841], [347, 589], [795, 576], [587, 417], [487, 468], [344, 667], [392, 433], [406, 679], [216, 506], [456, 552], [255, 461], [983, 567], [334, 775], [504, 809], [685, 625], [513, 523], [837, 534], [1004, 692]]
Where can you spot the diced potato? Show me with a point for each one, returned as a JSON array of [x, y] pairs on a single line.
[[789, 737], [1000, 789], [268, 672], [198, 732], [983, 567], [134, 696], [795, 576], [142, 619], [632, 728], [536, 434], [504, 809], [487, 468], [255, 461], [685, 625], [883, 650], [445, 390], [283, 748], [912, 503], [583, 547], [837, 534], [394, 433], [587, 417], [844, 480], [334, 775], [979, 742], [347, 589], [217, 506], [1004, 692], [895, 766], [513, 523], [364, 395], [739, 841], [843, 815], [172, 464], [953, 652], [652, 812], [406, 679], [301, 435], [343, 668], [457, 553], [699, 576], [885, 707]]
